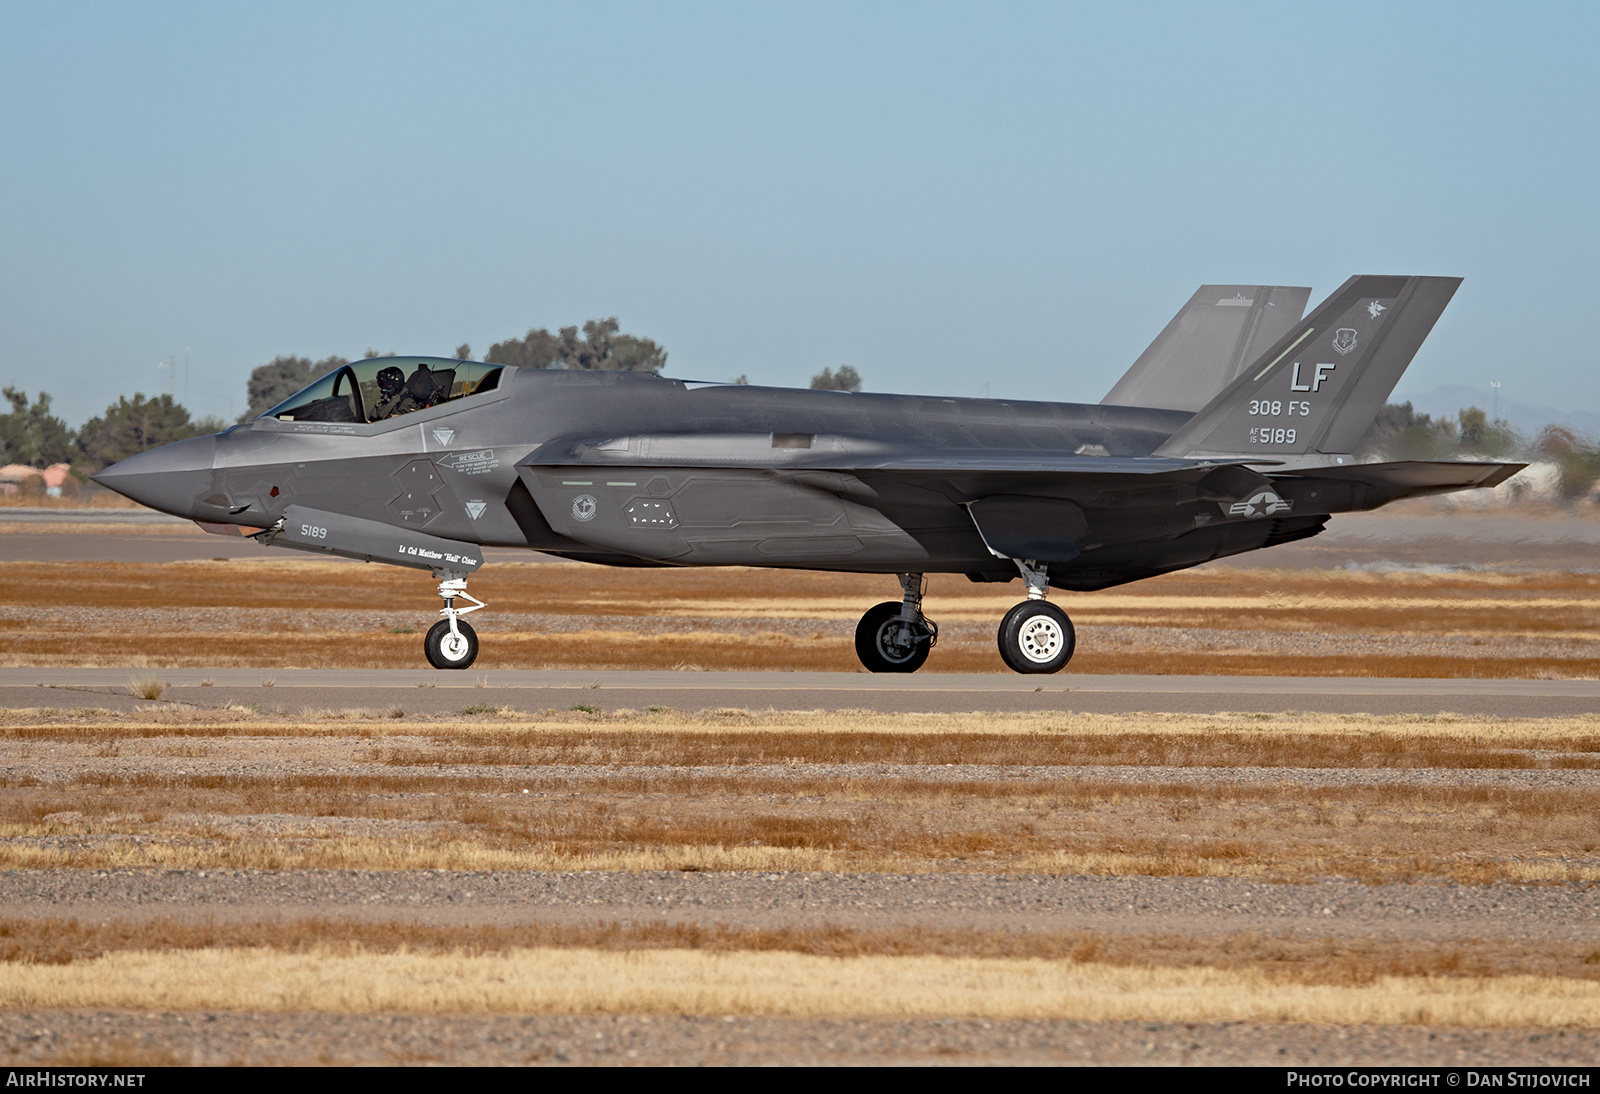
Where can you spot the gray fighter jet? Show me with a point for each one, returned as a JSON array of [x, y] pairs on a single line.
[[1234, 431]]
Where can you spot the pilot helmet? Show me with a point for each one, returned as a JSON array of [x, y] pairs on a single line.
[[390, 381]]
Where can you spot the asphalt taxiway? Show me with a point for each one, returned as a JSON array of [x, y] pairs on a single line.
[[426, 691]]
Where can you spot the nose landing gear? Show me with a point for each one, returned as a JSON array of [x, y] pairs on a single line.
[[452, 643], [1036, 636], [897, 637]]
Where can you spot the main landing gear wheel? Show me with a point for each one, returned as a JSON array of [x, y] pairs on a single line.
[[1036, 636], [885, 644], [451, 651]]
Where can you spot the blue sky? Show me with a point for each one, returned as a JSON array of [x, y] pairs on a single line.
[[943, 196]]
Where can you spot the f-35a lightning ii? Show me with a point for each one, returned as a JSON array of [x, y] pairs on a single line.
[[422, 462]]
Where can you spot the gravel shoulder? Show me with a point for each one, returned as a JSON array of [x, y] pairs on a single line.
[[121, 1038], [287, 758], [1141, 905]]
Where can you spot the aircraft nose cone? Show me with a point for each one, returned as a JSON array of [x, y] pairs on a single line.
[[168, 478]]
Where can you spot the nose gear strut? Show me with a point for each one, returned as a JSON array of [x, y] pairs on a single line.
[[451, 642]]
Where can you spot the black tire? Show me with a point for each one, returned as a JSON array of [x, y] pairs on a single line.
[[875, 641], [439, 656], [1036, 636]]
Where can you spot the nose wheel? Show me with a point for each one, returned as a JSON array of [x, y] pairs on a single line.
[[447, 649], [452, 643], [1036, 636]]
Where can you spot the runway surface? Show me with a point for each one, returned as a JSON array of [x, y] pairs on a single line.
[[426, 691]]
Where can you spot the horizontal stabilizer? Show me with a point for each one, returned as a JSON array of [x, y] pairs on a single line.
[[1208, 343], [1319, 387], [1369, 485]]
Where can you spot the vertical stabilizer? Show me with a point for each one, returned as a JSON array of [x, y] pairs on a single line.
[[1208, 343], [1319, 388]]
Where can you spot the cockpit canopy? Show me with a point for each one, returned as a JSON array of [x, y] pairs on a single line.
[[385, 387]]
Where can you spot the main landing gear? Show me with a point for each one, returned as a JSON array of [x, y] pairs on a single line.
[[1034, 637], [451, 642], [897, 637]]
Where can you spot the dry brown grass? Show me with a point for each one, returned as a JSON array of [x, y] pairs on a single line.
[[1285, 959], [789, 790], [501, 737], [677, 981], [147, 687], [775, 790], [66, 527], [718, 613], [32, 496], [1307, 749], [667, 821]]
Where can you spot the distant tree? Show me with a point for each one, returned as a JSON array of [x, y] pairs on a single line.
[[601, 348], [538, 349], [742, 379], [1400, 433], [1577, 456], [846, 379], [464, 352], [131, 426], [30, 434], [273, 382], [1481, 437]]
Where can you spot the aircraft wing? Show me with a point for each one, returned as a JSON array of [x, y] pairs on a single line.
[[694, 498], [700, 499], [824, 452]]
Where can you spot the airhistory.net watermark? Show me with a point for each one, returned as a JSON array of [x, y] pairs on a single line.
[[51, 1078]]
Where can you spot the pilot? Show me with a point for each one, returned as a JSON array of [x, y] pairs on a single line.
[[394, 396]]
